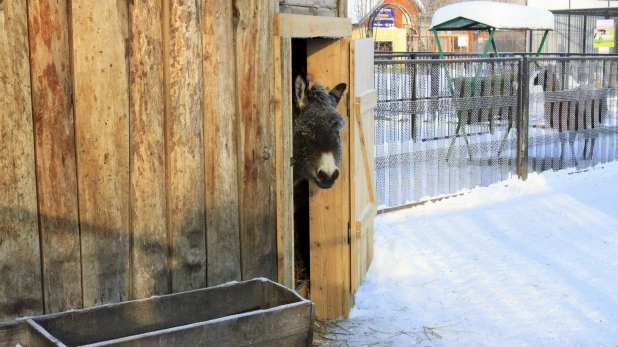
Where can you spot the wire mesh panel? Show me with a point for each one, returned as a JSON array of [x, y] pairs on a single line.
[[444, 125], [572, 112]]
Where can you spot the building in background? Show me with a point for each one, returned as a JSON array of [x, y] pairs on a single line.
[[394, 25], [393, 33], [576, 21]]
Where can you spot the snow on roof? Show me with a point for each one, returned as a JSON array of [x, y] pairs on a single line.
[[478, 15]]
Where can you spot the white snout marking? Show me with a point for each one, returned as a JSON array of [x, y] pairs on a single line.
[[327, 164]]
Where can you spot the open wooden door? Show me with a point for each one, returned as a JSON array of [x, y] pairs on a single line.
[[362, 189], [328, 62]]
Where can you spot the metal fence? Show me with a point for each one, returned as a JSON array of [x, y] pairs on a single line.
[[572, 112], [442, 126], [573, 31]]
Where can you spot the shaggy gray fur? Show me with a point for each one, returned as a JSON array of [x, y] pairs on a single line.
[[317, 129]]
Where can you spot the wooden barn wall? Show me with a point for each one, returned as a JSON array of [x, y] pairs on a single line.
[[137, 153], [327, 8]]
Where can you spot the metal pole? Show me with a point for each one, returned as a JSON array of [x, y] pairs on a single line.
[[538, 52], [584, 33], [435, 35], [493, 43], [522, 122], [569, 32]]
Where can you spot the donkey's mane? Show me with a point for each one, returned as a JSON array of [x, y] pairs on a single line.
[[319, 94]]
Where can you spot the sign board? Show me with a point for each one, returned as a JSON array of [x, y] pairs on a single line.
[[385, 18], [462, 41], [604, 33]]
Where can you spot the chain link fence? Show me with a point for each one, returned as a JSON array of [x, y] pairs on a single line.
[[443, 126], [572, 112]]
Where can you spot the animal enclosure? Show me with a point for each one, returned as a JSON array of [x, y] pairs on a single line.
[[146, 151], [133, 137]]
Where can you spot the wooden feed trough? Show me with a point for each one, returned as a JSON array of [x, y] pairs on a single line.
[[340, 218], [256, 312]]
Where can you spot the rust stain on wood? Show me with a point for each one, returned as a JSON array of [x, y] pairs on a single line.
[[102, 126], [255, 85], [20, 287], [221, 151], [150, 270], [185, 157], [55, 159]]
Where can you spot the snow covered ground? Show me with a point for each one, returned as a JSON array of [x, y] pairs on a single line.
[[518, 263]]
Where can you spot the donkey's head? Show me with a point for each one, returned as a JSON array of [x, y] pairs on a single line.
[[317, 133]]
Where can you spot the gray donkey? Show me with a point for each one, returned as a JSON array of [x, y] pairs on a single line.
[[317, 133]]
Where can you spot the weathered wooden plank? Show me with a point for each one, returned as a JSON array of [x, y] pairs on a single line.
[[275, 294], [354, 252], [149, 262], [12, 333], [54, 137], [20, 287], [270, 328], [311, 3], [363, 202], [39, 337], [328, 63], [364, 150], [308, 11], [364, 218], [255, 87], [284, 151], [342, 8], [114, 321], [367, 101], [301, 26], [185, 149], [221, 148], [21, 332], [100, 67]]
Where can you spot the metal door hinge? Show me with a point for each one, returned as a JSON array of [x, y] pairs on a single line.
[[349, 233]]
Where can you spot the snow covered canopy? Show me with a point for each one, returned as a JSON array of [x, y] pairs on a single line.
[[484, 15]]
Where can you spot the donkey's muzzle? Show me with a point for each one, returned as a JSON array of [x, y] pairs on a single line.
[[324, 180]]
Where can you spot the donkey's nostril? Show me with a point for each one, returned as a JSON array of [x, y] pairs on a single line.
[[322, 176], [335, 175]]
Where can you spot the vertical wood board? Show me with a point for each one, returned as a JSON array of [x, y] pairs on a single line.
[[255, 88], [54, 137], [328, 64], [220, 144], [363, 157], [149, 265], [353, 164], [20, 287], [185, 156], [101, 93], [282, 47]]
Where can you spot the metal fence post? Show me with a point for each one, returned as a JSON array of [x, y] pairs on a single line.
[[522, 122]]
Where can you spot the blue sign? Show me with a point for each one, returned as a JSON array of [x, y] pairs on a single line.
[[385, 18]]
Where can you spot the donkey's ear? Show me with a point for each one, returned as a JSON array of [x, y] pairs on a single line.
[[300, 92], [337, 92]]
